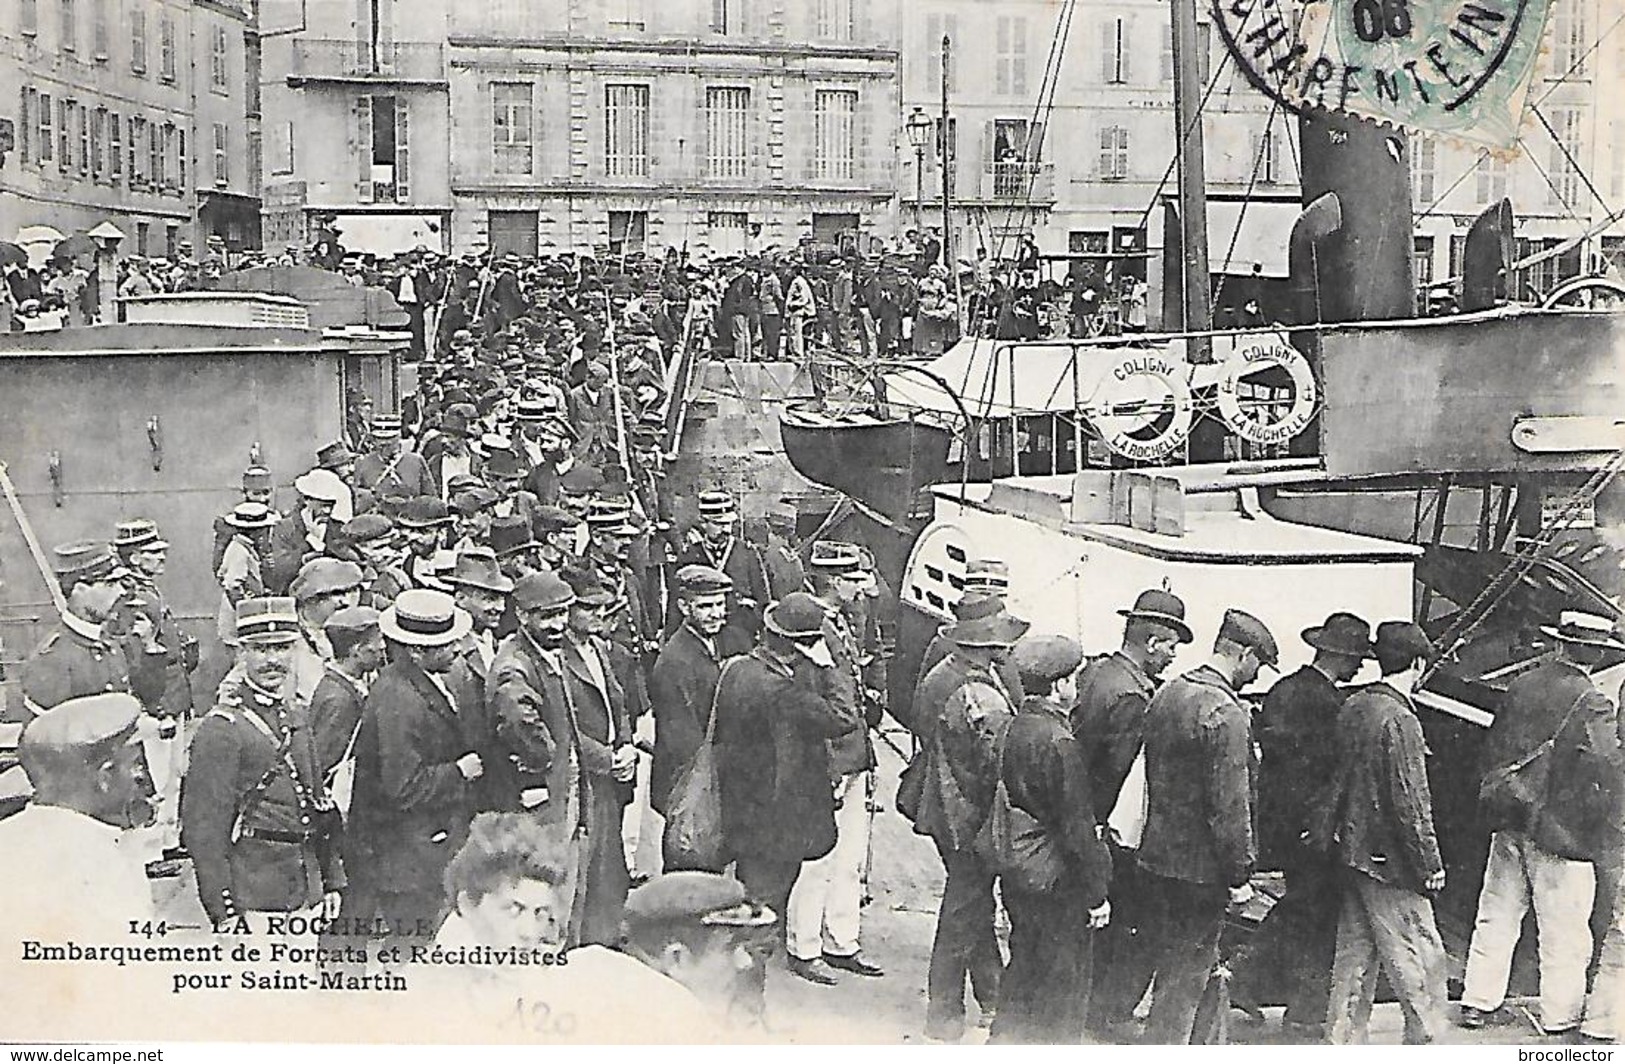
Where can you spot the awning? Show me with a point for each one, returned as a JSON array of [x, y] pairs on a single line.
[[389, 234]]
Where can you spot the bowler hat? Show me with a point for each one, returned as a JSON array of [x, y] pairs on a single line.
[[503, 463], [1047, 658], [1404, 639], [477, 567], [796, 616], [510, 535], [589, 588], [424, 618], [423, 511], [1161, 607], [1245, 630], [1343, 633], [545, 591]]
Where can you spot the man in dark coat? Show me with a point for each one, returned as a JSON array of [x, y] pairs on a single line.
[[963, 707], [335, 708], [254, 810], [1047, 985], [609, 761], [415, 772], [1198, 851], [1294, 947], [1545, 850], [684, 679], [983, 577], [719, 546], [772, 763], [1376, 823], [303, 534], [1108, 721], [481, 590]]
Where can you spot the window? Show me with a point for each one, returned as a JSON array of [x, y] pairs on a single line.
[[143, 238], [256, 161], [1264, 162], [82, 127], [626, 15], [217, 60], [953, 138], [166, 48], [627, 231], [1569, 45], [28, 17], [720, 22], [69, 27], [1010, 66], [1492, 178], [180, 157], [64, 134], [626, 130], [834, 20], [138, 41], [1458, 253], [1564, 169], [282, 149], [222, 158], [727, 232], [834, 147], [936, 28], [1422, 253], [383, 138], [138, 171], [1011, 153], [46, 137], [511, 111], [727, 125], [1114, 51], [1424, 164], [115, 146], [1113, 153], [98, 30], [513, 232]]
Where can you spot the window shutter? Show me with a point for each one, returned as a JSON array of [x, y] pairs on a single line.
[[363, 148], [1035, 143], [1127, 45], [23, 131], [1108, 51], [363, 34], [386, 35], [403, 184]]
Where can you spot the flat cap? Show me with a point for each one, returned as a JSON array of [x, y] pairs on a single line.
[[1402, 639], [796, 616], [352, 619], [543, 591], [1047, 658], [83, 721], [702, 898], [472, 500], [703, 580], [84, 560], [581, 479], [553, 519], [367, 528], [324, 576], [1243, 629]]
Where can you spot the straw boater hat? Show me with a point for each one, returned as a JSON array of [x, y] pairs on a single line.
[[423, 618], [249, 516], [1586, 629]]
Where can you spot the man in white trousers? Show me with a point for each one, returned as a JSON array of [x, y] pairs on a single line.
[[822, 922]]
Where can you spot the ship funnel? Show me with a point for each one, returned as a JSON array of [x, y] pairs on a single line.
[[1486, 258], [1317, 221]]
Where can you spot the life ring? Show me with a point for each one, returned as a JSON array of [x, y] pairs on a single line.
[[1249, 358], [1141, 391]]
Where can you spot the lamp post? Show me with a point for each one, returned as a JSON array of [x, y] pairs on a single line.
[[918, 128]]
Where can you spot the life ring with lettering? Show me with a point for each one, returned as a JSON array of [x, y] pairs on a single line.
[[1142, 408], [1264, 425]]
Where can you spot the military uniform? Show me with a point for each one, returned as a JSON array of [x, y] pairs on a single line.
[[254, 813], [73, 661]]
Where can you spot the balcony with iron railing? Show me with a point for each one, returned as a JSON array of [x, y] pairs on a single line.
[[1017, 182], [415, 63]]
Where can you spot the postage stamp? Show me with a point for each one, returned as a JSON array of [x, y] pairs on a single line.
[[1460, 68]]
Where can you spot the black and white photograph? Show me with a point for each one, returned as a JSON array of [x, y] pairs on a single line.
[[812, 522]]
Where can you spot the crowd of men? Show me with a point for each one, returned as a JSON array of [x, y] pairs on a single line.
[[487, 672]]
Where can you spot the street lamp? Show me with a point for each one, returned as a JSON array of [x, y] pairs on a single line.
[[918, 128]]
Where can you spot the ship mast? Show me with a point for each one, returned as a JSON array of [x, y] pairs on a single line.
[[1196, 306]]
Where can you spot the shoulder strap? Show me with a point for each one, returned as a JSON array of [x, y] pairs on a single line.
[[716, 694], [1551, 740]]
